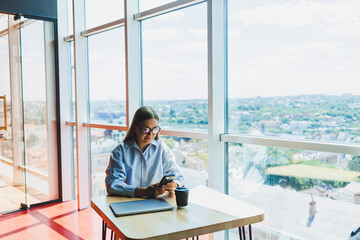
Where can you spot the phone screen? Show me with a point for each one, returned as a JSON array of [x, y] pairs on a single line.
[[166, 179]]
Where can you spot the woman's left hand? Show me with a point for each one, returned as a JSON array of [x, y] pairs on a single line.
[[170, 187]]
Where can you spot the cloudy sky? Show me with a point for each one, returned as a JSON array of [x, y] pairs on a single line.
[[276, 48]]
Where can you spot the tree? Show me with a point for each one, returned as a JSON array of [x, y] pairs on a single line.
[[354, 163], [170, 142]]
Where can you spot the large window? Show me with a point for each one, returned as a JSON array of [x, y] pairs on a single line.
[[175, 67], [107, 87], [291, 75], [293, 68]]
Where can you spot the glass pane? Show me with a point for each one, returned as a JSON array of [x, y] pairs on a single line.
[[192, 157], [293, 66], [3, 22], [107, 86], [7, 189], [70, 17], [72, 79], [175, 67], [39, 111], [148, 4], [305, 194], [74, 162], [2, 114], [103, 141], [97, 13]]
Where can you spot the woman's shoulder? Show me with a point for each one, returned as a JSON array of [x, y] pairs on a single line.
[[123, 145]]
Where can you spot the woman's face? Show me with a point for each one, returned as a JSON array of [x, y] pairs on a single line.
[[144, 139]]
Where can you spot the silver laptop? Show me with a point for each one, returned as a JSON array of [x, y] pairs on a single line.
[[140, 206]]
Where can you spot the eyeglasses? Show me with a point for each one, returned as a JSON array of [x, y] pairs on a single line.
[[146, 130]]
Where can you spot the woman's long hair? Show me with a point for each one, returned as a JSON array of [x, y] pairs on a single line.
[[142, 114]]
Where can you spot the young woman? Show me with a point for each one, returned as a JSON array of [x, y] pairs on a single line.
[[141, 160]]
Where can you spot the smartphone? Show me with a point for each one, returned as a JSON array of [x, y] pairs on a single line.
[[166, 179]]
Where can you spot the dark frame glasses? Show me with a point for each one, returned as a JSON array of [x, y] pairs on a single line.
[[146, 130]]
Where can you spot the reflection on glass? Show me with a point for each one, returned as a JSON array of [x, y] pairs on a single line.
[[304, 193], [98, 14], [175, 67], [192, 157], [292, 68], [107, 87], [103, 141]]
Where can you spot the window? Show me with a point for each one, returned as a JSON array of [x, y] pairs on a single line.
[[293, 68], [175, 67], [303, 193], [107, 87], [291, 72], [103, 141], [191, 155]]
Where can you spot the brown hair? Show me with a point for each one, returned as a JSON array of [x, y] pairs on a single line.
[[142, 114]]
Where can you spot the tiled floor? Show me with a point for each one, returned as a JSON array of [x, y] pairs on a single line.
[[11, 196], [55, 221]]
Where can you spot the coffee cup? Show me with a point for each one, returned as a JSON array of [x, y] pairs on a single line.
[[182, 195]]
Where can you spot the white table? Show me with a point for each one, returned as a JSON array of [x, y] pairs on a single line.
[[208, 211]]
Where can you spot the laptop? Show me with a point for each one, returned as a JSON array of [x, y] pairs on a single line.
[[140, 206]]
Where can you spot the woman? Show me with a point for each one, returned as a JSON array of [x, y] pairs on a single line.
[[141, 160]]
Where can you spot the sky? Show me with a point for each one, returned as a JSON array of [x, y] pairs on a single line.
[[275, 48]]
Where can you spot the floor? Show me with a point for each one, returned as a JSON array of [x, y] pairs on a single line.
[[11, 197], [55, 221]]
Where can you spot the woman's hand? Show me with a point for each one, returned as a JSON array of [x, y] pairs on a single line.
[[170, 187], [158, 190]]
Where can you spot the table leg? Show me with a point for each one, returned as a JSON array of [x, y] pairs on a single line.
[[250, 235], [242, 233], [103, 230]]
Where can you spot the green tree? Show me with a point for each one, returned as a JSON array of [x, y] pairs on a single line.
[[170, 142], [354, 163]]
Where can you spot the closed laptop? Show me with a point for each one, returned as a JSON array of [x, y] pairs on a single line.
[[140, 206]]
